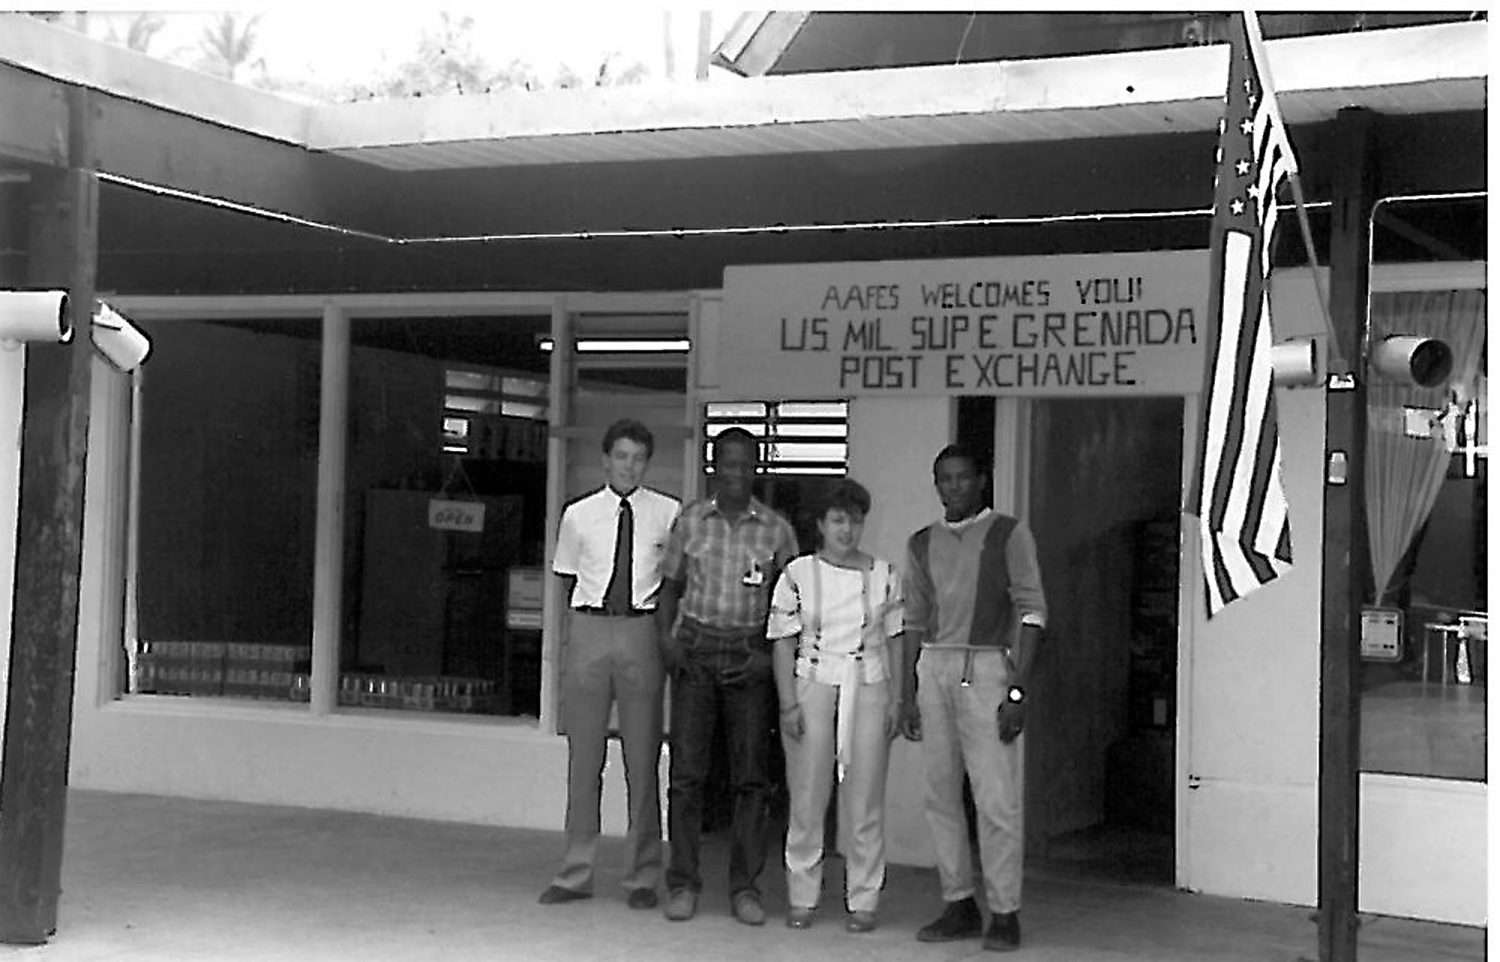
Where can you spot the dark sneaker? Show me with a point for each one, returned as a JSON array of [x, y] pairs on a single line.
[[1004, 933], [641, 898], [960, 920]]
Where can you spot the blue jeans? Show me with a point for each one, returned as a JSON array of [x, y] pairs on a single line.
[[721, 677]]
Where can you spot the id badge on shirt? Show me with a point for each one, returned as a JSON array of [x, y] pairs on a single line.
[[755, 575]]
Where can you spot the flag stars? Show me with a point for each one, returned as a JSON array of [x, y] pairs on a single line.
[[1247, 126], [1236, 207], [1242, 167]]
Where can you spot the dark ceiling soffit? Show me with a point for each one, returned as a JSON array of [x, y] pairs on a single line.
[[757, 42], [159, 147]]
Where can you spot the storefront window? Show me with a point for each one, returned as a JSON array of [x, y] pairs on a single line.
[[225, 507], [445, 502], [1425, 669]]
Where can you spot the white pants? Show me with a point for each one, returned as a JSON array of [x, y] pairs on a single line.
[[809, 779], [960, 733]]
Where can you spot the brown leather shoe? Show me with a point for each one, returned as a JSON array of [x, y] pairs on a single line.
[[860, 922], [799, 918], [641, 898]]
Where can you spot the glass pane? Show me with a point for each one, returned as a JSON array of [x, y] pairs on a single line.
[[783, 451], [1424, 677], [479, 405], [443, 540], [523, 387], [757, 428], [796, 429], [463, 380], [455, 429], [718, 410], [812, 409], [227, 501], [517, 409]]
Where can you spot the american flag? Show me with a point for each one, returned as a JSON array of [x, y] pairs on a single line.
[[1245, 534]]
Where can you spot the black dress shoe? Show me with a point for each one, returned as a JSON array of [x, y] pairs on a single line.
[[641, 899], [1004, 933], [960, 920], [556, 895]]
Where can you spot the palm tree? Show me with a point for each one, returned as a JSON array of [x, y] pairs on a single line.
[[143, 27], [228, 43]]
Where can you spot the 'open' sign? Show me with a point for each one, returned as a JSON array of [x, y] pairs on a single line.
[[455, 515]]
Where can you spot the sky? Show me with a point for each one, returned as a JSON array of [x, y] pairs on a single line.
[[336, 42]]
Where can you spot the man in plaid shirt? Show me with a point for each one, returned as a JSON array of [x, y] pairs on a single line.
[[722, 558]]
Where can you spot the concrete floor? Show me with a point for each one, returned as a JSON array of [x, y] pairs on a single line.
[[149, 879]]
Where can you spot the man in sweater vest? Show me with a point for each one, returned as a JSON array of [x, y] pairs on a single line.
[[974, 619]]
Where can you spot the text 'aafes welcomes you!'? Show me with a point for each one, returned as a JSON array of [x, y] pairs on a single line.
[[988, 334]]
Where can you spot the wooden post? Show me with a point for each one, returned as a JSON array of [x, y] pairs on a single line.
[[1345, 539], [49, 542]]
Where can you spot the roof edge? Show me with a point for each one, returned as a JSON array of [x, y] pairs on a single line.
[[70, 57], [1394, 56], [1405, 55]]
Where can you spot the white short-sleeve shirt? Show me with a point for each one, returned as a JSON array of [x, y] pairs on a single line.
[[586, 544]]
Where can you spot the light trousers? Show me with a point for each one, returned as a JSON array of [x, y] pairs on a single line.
[[960, 733], [809, 779], [612, 660]]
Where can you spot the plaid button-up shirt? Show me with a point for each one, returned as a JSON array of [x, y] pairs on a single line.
[[727, 570]]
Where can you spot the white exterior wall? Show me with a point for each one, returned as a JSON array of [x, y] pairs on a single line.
[[892, 442], [1248, 796]]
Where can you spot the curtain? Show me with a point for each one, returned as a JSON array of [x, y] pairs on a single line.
[[1403, 474]]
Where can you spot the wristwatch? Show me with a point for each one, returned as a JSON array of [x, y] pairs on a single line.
[[1016, 695]]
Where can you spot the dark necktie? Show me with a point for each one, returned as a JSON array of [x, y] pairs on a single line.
[[617, 600]]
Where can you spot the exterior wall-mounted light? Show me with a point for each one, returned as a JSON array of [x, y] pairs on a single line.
[[34, 316], [122, 344], [1413, 359], [1296, 363]]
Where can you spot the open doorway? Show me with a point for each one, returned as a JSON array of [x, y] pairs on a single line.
[[1105, 483]]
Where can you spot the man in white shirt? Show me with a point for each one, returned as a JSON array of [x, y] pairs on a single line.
[[609, 550]]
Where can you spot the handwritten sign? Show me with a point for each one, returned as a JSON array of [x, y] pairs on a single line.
[[1074, 324], [455, 515]]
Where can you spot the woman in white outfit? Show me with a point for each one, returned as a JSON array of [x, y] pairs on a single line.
[[836, 620]]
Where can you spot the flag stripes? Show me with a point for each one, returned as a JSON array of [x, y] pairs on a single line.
[[1244, 524]]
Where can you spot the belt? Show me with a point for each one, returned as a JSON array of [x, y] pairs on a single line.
[[601, 610], [724, 634]]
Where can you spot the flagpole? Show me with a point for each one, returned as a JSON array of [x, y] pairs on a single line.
[[1263, 66]]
